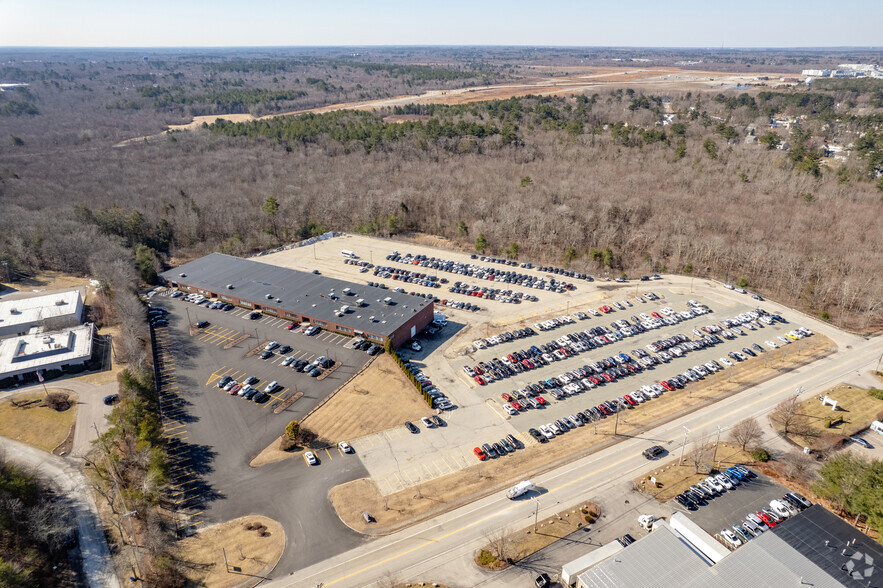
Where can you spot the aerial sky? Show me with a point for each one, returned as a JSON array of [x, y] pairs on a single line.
[[635, 23]]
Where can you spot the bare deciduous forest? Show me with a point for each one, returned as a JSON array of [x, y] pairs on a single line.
[[665, 178]]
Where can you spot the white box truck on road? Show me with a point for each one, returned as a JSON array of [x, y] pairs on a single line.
[[519, 489]]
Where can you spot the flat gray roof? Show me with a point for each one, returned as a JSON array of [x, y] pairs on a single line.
[[300, 292]]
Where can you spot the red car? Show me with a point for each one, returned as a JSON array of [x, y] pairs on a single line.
[[506, 396], [604, 410], [511, 358], [479, 454], [541, 400], [516, 405], [291, 327], [480, 380], [527, 364], [478, 370], [666, 385], [607, 376], [594, 380], [630, 400], [767, 519], [235, 390], [605, 309], [655, 315]]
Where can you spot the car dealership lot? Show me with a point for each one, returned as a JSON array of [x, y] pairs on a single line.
[[556, 409]]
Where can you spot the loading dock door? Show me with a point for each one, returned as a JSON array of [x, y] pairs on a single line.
[[413, 331]]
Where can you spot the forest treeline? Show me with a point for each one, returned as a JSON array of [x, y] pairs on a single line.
[[566, 177]]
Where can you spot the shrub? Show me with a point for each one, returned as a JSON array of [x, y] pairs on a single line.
[[876, 393], [761, 454], [589, 518], [486, 558], [287, 444], [58, 401]]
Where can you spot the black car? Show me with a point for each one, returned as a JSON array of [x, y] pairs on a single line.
[[411, 427], [686, 502], [266, 354], [285, 349], [202, 324], [111, 399], [254, 315], [654, 452], [537, 435]]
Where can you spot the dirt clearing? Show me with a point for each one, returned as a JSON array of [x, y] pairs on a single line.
[[253, 546]]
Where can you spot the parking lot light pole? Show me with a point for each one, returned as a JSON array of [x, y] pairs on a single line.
[[684, 446]]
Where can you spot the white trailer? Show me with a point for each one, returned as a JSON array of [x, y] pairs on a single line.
[[519, 489], [348, 253]]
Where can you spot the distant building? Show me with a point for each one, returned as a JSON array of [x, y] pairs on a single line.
[[816, 73]]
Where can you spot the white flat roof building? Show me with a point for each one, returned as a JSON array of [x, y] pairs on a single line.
[[19, 315], [45, 351]]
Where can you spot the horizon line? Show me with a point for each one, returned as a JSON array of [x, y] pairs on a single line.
[[441, 46]]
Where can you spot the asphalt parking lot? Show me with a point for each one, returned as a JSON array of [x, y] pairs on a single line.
[[731, 507], [213, 436], [558, 408]]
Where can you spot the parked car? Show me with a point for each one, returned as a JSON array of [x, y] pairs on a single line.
[[345, 447], [310, 458], [411, 427]]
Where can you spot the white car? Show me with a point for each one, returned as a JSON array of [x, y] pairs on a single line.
[[509, 408], [726, 361], [758, 522], [427, 423], [416, 346], [229, 385], [271, 386], [479, 344], [729, 286], [287, 361], [711, 481], [731, 538], [724, 481], [546, 431], [310, 458], [771, 344], [783, 339], [344, 447]]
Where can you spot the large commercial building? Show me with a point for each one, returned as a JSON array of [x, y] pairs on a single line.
[[335, 305], [813, 548], [42, 333]]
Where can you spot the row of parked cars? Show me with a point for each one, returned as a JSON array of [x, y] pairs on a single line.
[[508, 444], [713, 486], [482, 272], [498, 294], [763, 520], [503, 338], [314, 368], [562, 348], [542, 268], [246, 389], [408, 276], [439, 400]]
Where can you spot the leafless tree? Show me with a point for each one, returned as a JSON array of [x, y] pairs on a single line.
[[798, 467], [746, 433], [701, 450], [499, 543], [787, 415]]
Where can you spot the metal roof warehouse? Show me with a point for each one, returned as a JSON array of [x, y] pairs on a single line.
[[332, 304]]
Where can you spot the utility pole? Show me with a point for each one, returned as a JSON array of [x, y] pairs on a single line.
[[536, 513], [616, 423], [6, 265], [684, 446], [716, 443]]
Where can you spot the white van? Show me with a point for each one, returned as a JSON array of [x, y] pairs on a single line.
[[348, 253], [877, 427]]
